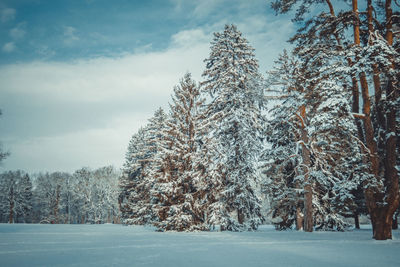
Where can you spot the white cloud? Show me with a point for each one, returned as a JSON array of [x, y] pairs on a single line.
[[44, 51], [191, 37], [70, 36], [7, 14], [18, 32], [143, 49], [178, 5], [130, 87], [125, 90], [9, 47], [68, 152], [108, 79], [205, 7], [263, 35]]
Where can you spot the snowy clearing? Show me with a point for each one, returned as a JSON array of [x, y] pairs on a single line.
[[116, 245]]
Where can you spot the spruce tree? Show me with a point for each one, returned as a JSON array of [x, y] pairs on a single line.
[[281, 158], [26, 199], [233, 82], [175, 186], [312, 133], [15, 197], [365, 41], [141, 168]]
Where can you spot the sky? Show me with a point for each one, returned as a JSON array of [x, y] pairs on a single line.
[[78, 78]]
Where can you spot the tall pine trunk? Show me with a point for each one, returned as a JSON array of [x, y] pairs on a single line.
[[11, 213], [299, 219], [381, 214], [308, 209], [395, 222], [356, 221]]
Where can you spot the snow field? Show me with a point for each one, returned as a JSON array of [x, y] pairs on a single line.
[[116, 245]]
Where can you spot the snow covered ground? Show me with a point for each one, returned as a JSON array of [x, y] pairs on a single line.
[[116, 245]]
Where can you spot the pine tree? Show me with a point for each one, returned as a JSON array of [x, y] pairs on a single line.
[[140, 171], [15, 197], [8, 195], [25, 197], [232, 80], [134, 193], [314, 116], [175, 186], [369, 57], [280, 157], [335, 158]]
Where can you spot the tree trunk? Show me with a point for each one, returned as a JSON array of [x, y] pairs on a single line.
[[356, 26], [395, 222], [377, 84], [391, 179], [389, 22], [356, 221], [381, 214], [308, 209], [11, 215], [381, 224], [56, 207], [240, 216], [299, 219], [12, 204], [354, 84], [308, 212]]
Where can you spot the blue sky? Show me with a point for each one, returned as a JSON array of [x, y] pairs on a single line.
[[78, 78], [64, 30]]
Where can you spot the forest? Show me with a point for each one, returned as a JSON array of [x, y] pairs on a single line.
[[86, 196], [306, 146]]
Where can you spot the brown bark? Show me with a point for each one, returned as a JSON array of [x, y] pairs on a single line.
[[356, 26], [395, 222], [389, 22], [391, 179], [371, 192], [299, 219], [381, 223], [308, 210], [381, 202], [354, 84], [356, 221], [377, 83], [240, 216], [356, 103], [368, 127], [11, 213], [382, 216], [57, 202]]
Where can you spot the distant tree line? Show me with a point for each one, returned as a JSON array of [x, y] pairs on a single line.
[[86, 196]]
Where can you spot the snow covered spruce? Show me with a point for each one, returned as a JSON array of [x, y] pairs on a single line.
[[202, 171]]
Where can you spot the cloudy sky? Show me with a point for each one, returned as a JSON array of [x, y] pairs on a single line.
[[78, 78]]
